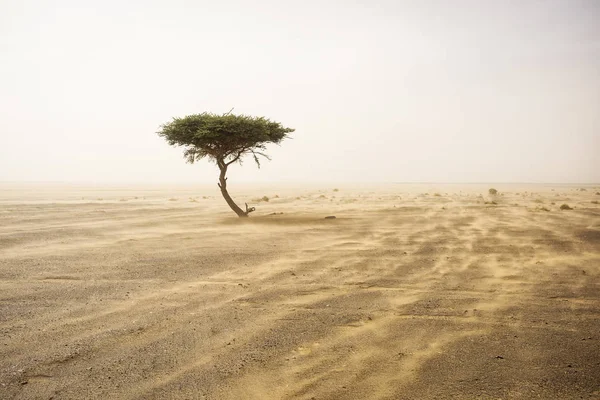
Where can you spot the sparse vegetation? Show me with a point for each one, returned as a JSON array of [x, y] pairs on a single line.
[[437, 195], [565, 207], [225, 140], [336, 190], [539, 201], [492, 191], [543, 209], [595, 202]]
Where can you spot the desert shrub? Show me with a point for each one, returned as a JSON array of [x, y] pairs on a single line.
[[259, 199], [543, 209], [595, 202], [565, 207], [173, 199], [539, 201], [492, 191], [437, 195], [490, 202], [322, 196], [336, 190]]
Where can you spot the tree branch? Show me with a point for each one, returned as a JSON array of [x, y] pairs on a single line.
[[237, 157]]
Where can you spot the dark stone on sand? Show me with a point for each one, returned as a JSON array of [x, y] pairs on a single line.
[[330, 217]]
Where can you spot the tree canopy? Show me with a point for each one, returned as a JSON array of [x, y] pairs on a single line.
[[225, 139]]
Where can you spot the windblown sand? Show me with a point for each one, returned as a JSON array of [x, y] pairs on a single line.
[[412, 292]]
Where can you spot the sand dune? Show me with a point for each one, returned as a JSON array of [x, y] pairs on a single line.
[[412, 292]]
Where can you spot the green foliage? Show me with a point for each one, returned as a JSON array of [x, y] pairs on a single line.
[[225, 139]]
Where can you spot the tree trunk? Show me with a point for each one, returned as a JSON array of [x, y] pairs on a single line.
[[223, 186]]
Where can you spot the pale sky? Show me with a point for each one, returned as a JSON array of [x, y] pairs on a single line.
[[378, 91]]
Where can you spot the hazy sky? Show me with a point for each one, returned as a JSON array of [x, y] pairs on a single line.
[[386, 91]]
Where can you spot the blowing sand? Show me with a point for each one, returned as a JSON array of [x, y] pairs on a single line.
[[412, 292]]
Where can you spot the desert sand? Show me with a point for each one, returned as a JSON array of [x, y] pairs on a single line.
[[412, 292]]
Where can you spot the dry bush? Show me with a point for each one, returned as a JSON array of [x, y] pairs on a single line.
[[493, 191], [565, 207]]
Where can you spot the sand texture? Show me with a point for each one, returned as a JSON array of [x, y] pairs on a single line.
[[412, 292]]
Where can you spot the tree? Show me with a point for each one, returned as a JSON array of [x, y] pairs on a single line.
[[225, 139]]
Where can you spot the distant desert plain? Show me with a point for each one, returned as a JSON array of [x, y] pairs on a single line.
[[429, 291]]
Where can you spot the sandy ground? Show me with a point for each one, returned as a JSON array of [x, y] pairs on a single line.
[[413, 292]]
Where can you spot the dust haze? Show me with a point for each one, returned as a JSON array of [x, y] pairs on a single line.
[[383, 91], [125, 275]]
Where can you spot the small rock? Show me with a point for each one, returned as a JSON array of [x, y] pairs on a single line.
[[330, 217]]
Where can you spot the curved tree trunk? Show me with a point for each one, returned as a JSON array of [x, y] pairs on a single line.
[[223, 186]]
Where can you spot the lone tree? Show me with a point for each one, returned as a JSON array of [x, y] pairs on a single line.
[[224, 139]]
